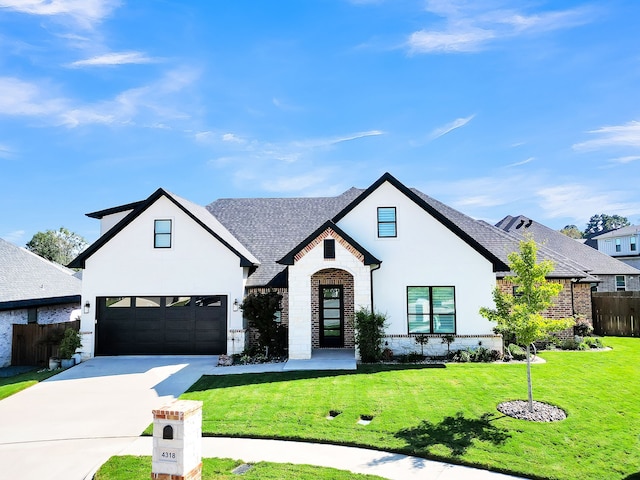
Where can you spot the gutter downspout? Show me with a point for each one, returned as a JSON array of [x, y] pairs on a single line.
[[371, 284]]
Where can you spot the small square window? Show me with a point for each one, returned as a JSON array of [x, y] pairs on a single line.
[[387, 227], [329, 248], [162, 234]]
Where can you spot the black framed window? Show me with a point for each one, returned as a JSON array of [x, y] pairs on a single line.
[[387, 224], [162, 234], [431, 309], [329, 248], [632, 244], [618, 245]]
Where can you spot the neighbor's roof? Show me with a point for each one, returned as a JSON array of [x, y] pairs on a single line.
[[29, 280], [620, 232], [198, 213], [591, 260]]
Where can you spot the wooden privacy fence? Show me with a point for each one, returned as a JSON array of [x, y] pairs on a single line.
[[33, 344], [616, 313]]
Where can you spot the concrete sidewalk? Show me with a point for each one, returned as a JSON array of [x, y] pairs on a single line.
[[358, 460]]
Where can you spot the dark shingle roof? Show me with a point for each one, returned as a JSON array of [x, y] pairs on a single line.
[[26, 278], [271, 227], [593, 261]]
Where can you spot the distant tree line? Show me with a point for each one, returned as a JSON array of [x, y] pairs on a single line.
[[600, 222]]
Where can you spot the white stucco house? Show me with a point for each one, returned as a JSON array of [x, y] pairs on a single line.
[[168, 276]]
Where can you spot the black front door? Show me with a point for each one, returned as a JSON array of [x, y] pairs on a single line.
[[331, 316]]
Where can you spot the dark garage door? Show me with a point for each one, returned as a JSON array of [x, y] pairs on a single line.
[[162, 325]]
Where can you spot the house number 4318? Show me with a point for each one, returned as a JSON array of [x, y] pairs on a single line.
[[166, 455]]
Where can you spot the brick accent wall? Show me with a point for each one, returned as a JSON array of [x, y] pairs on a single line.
[[329, 233], [332, 276], [564, 306]]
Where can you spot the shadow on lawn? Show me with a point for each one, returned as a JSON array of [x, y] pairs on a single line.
[[456, 433], [212, 382]]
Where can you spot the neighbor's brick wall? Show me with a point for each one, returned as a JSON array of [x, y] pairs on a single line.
[[608, 283], [332, 276]]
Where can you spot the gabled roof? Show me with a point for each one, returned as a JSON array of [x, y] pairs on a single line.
[[459, 228], [289, 258], [196, 212], [590, 260], [620, 232], [272, 227], [28, 280], [110, 211]]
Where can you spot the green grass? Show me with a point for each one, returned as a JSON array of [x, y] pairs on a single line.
[[450, 413], [139, 468], [11, 385]]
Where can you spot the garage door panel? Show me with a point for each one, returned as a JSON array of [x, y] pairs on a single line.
[[162, 325]]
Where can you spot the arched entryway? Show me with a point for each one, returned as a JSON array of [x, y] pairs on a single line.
[[332, 309]]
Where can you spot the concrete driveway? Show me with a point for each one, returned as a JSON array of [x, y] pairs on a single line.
[[64, 427]]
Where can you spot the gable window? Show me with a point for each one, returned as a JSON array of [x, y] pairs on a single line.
[[431, 309], [621, 283], [387, 222], [618, 245], [329, 248], [162, 234], [632, 244]]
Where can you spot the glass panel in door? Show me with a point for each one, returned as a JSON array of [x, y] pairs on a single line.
[[331, 317]]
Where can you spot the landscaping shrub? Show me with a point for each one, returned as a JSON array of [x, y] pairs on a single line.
[[411, 357], [582, 328], [369, 334], [570, 344], [516, 351], [593, 342]]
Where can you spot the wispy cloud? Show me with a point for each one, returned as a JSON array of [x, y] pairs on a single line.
[[84, 12], [5, 152], [114, 58], [580, 202], [523, 162], [627, 159], [15, 237], [470, 26], [627, 135], [142, 105], [449, 127]]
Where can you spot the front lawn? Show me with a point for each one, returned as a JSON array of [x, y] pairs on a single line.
[[139, 468], [11, 385], [450, 413]]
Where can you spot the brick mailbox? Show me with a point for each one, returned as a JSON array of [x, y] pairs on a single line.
[[177, 441]]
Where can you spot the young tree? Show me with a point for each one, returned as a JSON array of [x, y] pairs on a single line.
[[60, 246], [521, 314]]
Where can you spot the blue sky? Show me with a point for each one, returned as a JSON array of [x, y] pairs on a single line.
[[493, 107]]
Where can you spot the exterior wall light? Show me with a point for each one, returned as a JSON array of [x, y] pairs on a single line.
[[236, 305], [87, 307]]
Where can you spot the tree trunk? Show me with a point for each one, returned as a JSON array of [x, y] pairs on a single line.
[[529, 380]]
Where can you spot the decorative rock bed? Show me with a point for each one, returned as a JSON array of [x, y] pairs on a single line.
[[542, 412]]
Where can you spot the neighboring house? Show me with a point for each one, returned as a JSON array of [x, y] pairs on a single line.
[[623, 244], [33, 290], [612, 274], [168, 276]]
